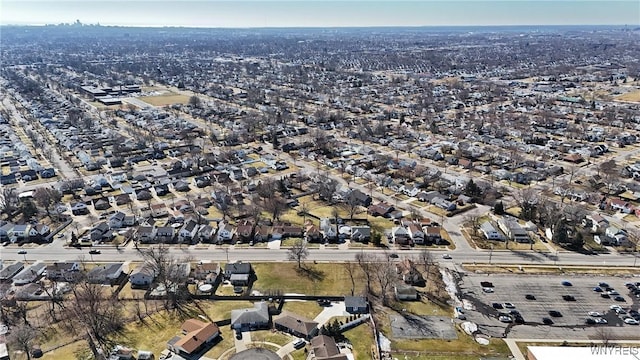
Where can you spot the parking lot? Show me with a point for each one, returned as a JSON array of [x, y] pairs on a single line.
[[548, 292]]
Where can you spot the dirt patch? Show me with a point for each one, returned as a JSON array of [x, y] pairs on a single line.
[[410, 326]]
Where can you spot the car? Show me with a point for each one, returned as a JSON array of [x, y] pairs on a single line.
[[299, 343], [608, 288], [594, 314], [547, 321], [505, 319], [497, 306], [22, 252], [237, 290], [60, 236], [555, 313], [94, 251], [446, 256], [529, 297], [566, 283], [600, 321], [603, 285], [509, 305], [597, 289], [605, 295], [393, 255], [630, 321], [518, 319], [324, 302], [619, 298], [634, 313], [620, 311], [238, 335], [514, 312], [568, 298], [613, 292], [487, 290], [590, 321], [615, 307]]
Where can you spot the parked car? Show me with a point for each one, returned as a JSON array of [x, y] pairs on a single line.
[[594, 314], [505, 319], [605, 295], [590, 321], [547, 321], [630, 321], [603, 285], [568, 298], [600, 321], [487, 289], [509, 305], [619, 298], [298, 344], [567, 283], [597, 289], [529, 297], [497, 306], [555, 313]]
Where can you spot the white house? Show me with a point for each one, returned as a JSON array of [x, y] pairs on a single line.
[[490, 232], [188, 231], [415, 231], [39, 230], [142, 276], [225, 232]]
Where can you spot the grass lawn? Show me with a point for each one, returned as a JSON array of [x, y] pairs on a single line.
[[167, 99], [318, 279], [630, 96], [465, 346], [361, 338], [65, 352], [308, 309]]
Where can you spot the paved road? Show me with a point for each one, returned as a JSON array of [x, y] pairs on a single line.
[[56, 252]]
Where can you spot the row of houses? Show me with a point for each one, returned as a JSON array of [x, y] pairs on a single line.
[[413, 232], [13, 232]]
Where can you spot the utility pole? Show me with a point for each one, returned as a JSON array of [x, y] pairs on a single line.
[[490, 253]]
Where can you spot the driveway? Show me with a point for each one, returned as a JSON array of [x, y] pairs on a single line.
[[328, 312]]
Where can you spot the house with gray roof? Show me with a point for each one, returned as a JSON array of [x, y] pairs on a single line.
[[253, 318]]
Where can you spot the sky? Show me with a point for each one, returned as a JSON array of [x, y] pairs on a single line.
[[320, 13]]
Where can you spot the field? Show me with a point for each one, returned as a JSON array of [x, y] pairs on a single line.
[[165, 99], [315, 279], [633, 96]]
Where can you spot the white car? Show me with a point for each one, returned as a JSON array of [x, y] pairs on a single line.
[[446, 256], [487, 289], [601, 321], [615, 307], [630, 321], [594, 314], [505, 319]]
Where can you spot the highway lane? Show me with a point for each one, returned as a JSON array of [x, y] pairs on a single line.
[[525, 257]]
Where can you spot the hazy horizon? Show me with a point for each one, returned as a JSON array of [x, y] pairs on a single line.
[[315, 13]]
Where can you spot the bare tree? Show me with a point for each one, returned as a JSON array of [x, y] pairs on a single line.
[[8, 200], [47, 197], [366, 262], [22, 337], [298, 252], [386, 275], [169, 273], [274, 205], [351, 269]]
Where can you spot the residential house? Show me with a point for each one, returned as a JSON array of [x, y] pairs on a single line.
[[361, 233], [597, 222], [328, 230], [415, 232], [142, 276], [400, 235], [285, 230], [63, 271], [28, 275], [405, 292], [196, 335], [443, 203], [107, 274], [122, 199], [165, 234], [116, 220], [356, 304], [324, 347], [39, 231], [146, 234], [101, 232], [433, 234], [380, 209], [207, 272], [159, 210], [513, 230], [296, 325], [409, 273], [618, 235], [225, 232], [358, 197], [143, 194], [20, 232], [244, 231], [239, 273], [8, 272], [207, 233], [620, 205], [253, 318], [490, 232], [188, 231]]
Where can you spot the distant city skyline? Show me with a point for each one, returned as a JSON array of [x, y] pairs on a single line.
[[318, 13]]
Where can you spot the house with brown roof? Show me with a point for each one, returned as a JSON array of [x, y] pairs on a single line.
[[296, 325], [196, 334], [325, 348], [409, 273]]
